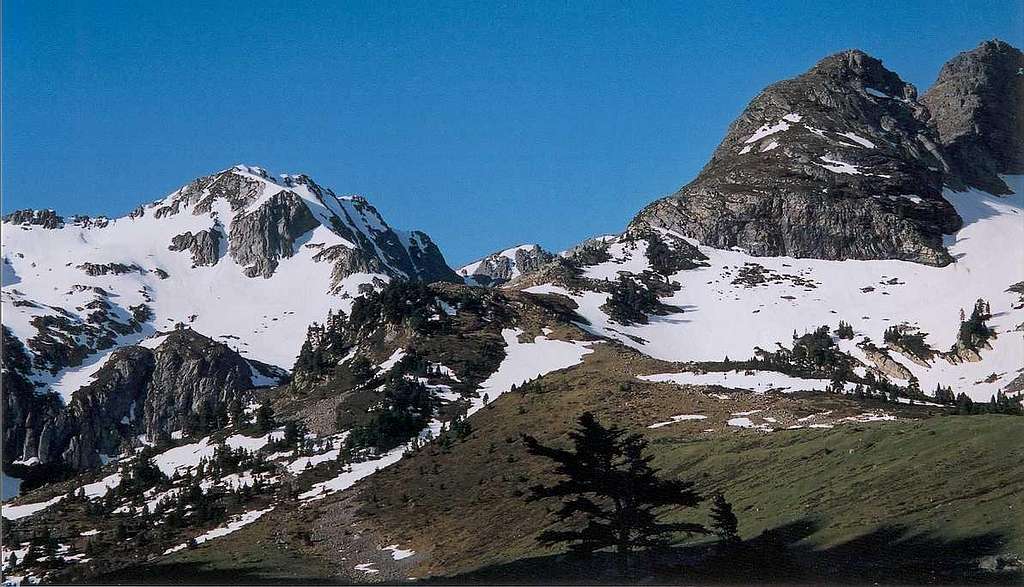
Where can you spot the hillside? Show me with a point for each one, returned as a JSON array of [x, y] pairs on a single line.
[[854, 480]]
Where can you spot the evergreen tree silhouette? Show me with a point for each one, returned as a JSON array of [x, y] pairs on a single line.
[[724, 522], [610, 493]]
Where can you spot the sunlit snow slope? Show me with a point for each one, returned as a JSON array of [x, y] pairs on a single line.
[[722, 318]]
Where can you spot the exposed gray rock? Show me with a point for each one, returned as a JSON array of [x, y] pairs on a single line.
[[192, 374], [94, 269], [44, 218], [137, 391], [25, 413], [105, 414], [403, 255], [885, 364], [204, 246], [837, 163], [977, 107], [499, 268], [262, 236]]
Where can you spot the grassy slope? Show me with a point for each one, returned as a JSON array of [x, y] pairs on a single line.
[[885, 501], [944, 478]]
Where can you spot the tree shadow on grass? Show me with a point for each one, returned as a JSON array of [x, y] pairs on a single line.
[[888, 555]]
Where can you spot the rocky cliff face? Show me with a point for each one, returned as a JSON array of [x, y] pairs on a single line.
[[977, 107], [838, 163], [260, 237], [29, 419], [138, 390], [203, 245], [504, 266], [192, 375], [44, 218]]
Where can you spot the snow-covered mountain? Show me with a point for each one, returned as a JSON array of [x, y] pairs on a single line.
[[240, 255], [837, 164]]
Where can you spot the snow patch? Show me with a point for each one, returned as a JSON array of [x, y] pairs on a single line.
[[680, 418]]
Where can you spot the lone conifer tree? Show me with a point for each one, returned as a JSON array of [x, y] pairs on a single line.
[[724, 522], [612, 493]]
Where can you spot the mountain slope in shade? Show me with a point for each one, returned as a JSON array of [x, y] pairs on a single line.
[[240, 256], [977, 107], [837, 163]]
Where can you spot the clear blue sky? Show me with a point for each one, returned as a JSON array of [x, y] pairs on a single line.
[[485, 124]]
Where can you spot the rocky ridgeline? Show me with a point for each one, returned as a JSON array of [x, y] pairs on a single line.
[[242, 214], [977, 106]]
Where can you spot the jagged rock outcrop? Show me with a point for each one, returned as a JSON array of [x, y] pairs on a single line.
[[138, 390], [204, 246], [95, 269], [885, 364], [268, 218], [977, 108], [44, 218], [262, 236], [105, 413], [64, 339], [837, 163], [504, 266], [26, 414], [192, 375], [129, 276]]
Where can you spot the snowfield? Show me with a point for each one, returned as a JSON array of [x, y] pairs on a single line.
[[870, 295], [526, 361], [16, 512], [757, 381], [680, 418]]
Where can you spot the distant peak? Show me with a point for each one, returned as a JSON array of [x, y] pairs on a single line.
[[251, 170], [996, 45]]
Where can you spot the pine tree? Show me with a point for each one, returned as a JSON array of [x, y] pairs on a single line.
[[609, 483], [724, 522], [845, 330], [265, 417], [361, 369]]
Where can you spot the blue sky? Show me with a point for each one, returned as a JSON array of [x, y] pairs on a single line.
[[485, 124]]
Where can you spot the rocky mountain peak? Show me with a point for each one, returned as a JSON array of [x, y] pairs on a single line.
[[263, 219], [977, 107], [837, 163], [860, 70]]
